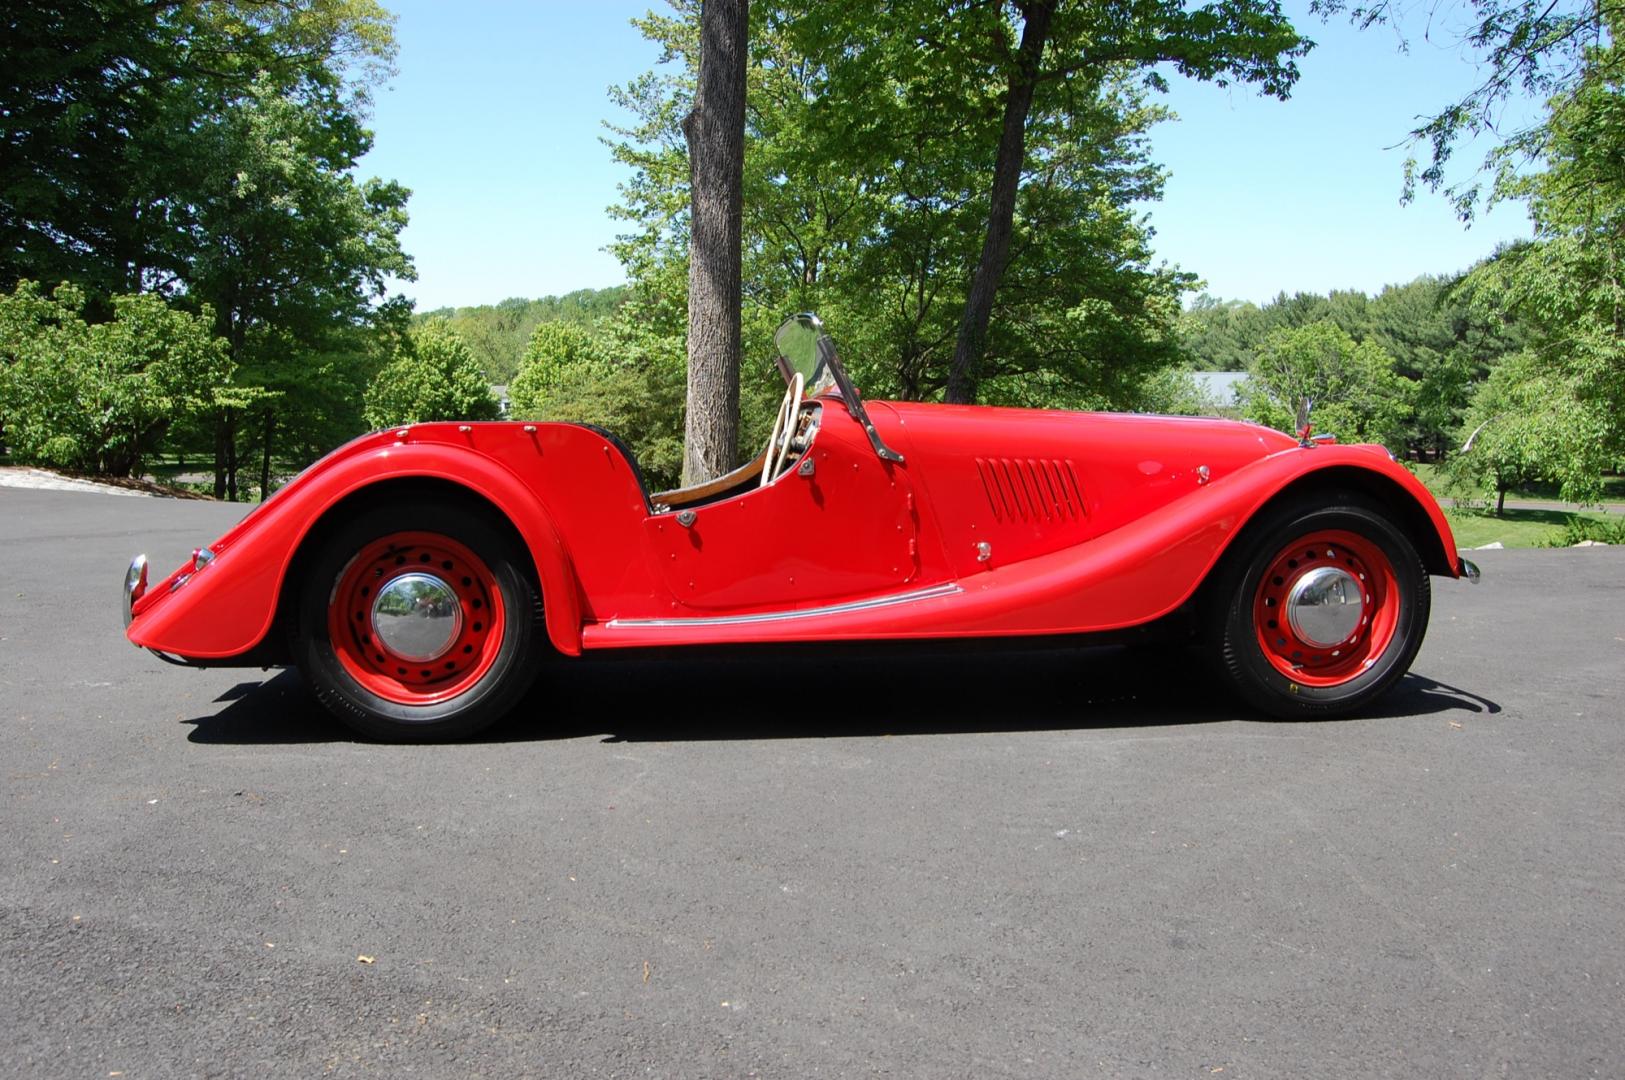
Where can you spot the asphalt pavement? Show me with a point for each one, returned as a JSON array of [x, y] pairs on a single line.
[[1074, 863]]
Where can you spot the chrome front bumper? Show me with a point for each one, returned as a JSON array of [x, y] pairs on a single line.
[[1469, 569], [135, 586]]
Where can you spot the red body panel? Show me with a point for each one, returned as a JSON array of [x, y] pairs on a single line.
[[847, 530], [1091, 521]]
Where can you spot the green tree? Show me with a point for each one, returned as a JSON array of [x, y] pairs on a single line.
[[1085, 43], [1543, 49], [1444, 345], [499, 333], [98, 105], [432, 377], [207, 152], [99, 397], [1527, 424], [292, 251], [1172, 391], [873, 211], [1220, 335], [1566, 288], [554, 349], [1356, 394], [1441, 344]]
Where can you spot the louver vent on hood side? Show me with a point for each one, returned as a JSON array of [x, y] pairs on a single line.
[[1031, 489]]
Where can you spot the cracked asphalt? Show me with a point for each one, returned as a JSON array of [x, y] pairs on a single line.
[[1037, 864]]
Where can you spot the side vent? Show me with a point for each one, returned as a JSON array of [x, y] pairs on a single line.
[[1031, 489]]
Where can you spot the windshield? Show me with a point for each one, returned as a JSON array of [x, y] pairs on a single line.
[[804, 349]]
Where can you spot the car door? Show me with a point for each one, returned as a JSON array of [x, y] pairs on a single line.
[[840, 524]]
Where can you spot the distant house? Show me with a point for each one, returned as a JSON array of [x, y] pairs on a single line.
[[1222, 388], [501, 394]]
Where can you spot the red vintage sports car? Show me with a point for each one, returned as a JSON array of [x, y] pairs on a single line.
[[417, 576]]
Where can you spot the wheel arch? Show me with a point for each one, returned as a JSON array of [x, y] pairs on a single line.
[[549, 563], [1412, 517], [1408, 513]]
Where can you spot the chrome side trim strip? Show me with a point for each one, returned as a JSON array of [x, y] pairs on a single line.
[[931, 593]]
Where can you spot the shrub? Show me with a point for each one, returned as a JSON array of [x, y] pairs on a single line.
[[555, 350], [1579, 529], [100, 397], [433, 377]]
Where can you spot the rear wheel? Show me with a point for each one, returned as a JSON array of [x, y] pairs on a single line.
[[1321, 609], [419, 622]]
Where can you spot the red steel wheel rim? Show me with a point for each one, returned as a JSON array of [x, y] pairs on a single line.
[[1317, 664], [371, 662]]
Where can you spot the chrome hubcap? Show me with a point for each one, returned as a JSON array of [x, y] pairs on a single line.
[[1325, 606], [417, 617]]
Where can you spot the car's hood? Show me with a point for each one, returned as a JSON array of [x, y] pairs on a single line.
[[997, 430]]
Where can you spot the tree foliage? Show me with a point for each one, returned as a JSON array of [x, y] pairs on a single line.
[[206, 152], [643, 404], [554, 350], [104, 103], [1356, 393], [498, 334], [1538, 49], [1438, 340], [433, 376], [630, 378], [1558, 412], [874, 133], [992, 89], [1529, 426], [99, 397]]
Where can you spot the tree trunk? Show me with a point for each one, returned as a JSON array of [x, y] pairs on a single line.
[[715, 131], [220, 453], [265, 456], [231, 455], [1500, 502], [964, 373]]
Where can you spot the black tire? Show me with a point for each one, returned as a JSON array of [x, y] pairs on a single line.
[[516, 651], [1233, 618]]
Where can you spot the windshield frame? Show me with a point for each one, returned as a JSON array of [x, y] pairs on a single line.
[[827, 371]]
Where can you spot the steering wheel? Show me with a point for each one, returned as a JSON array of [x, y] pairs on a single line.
[[784, 430]]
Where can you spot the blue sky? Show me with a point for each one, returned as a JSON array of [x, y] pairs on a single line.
[[495, 120]]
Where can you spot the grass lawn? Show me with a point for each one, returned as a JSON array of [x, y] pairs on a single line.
[[1521, 528], [1613, 487], [1524, 528]]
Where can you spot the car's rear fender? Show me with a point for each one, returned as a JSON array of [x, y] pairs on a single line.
[[229, 607]]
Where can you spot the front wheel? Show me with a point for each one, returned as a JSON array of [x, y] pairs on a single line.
[[419, 622], [1321, 609]]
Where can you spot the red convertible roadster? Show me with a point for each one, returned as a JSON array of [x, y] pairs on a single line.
[[417, 576]]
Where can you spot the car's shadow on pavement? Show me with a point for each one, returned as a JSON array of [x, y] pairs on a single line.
[[790, 694]]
